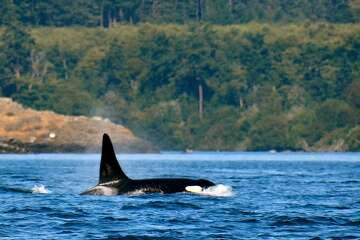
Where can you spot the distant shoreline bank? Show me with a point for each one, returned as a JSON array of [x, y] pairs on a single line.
[[24, 130], [15, 147]]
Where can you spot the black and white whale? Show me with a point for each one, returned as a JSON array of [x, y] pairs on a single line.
[[113, 181]]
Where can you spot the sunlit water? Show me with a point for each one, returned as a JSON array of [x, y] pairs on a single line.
[[273, 196]]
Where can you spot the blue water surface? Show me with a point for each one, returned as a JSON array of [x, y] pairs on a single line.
[[276, 196]]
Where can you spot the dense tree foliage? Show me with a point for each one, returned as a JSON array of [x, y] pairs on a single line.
[[16, 46], [254, 86], [108, 13], [262, 86]]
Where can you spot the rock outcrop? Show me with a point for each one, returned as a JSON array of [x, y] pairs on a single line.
[[26, 130]]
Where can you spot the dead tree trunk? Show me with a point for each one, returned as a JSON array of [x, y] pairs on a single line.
[[201, 102], [231, 8], [109, 18], [142, 9], [17, 72], [102, 14], [156, 9], [200, 9]]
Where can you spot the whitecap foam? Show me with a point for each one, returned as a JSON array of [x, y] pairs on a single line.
[[40, 189], [219, 190], [136, 192]]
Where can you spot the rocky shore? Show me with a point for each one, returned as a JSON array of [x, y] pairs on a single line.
[[24, 130]]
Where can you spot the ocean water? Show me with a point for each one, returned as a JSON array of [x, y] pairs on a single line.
[[259, 196]]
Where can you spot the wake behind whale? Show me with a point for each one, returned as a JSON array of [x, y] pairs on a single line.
[[36, 189], [113, 181]]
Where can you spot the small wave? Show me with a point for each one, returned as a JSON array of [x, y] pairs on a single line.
[[14, 189], [219, 190], [249, 220], [40, 189], [136, 237], [136, 192], [112, 218], [285, 220], [162, 205], [341, 207], [299, 220], [353, 223]]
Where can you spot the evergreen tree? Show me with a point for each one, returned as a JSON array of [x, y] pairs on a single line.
[[197, 65], [17, 42], [339, 11], [107, 12], [158, 55], [115, 71]]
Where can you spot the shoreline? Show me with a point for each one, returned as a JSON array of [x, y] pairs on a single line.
[[76, 151], [13, 146], [261, 157], [26, 130]]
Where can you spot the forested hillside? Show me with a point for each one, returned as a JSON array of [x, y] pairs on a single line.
[[109, 12], [255, 86]]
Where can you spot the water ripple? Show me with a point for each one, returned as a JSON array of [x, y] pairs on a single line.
[[273, 200]]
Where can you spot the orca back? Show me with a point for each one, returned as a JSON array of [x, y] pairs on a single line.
[[110, 169]]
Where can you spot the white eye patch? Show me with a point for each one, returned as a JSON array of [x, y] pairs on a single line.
[[193, 189]]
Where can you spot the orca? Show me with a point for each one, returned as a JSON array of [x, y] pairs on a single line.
[[113, 180]]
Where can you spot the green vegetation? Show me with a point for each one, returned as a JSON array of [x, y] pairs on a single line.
[[253, 86], [107, 13]]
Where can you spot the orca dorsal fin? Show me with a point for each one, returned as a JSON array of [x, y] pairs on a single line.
[[110, 169]]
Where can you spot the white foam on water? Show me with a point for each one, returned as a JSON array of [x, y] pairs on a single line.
[[219, 190], [40, 189], [136, 192]]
